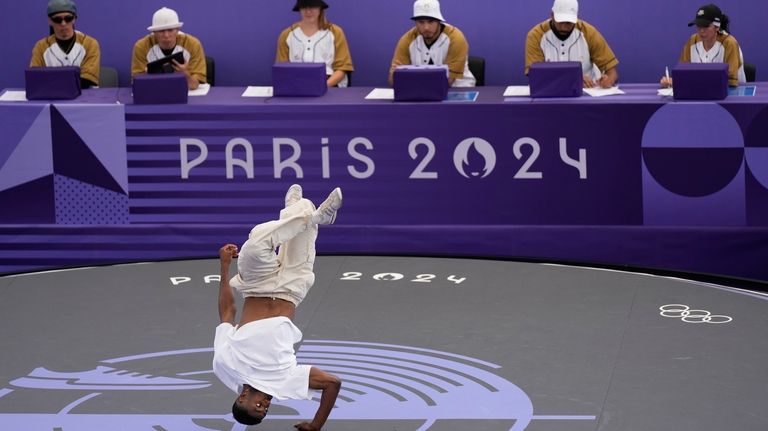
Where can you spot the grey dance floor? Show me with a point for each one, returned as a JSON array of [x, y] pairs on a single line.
[[420, 343]]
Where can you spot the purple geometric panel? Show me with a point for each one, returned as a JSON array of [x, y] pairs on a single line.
[[756, 155], [14, 123], [82, 203], [757, 198], [757, 147], [692, 125], [662, 207], [73, 158], [693, 172], [757, 133], [757, 161], [28, 203], [102, 128], [29, 157], [693, 167]]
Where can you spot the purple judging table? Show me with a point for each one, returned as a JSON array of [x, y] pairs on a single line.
[[634, 179]]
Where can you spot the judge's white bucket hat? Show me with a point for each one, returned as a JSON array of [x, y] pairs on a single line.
[[427, 9], [165, 19]]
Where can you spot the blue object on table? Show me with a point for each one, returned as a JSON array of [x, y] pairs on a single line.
[[462, 96], [742, 90]]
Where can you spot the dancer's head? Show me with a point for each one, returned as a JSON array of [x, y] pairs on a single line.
[[251, 406]]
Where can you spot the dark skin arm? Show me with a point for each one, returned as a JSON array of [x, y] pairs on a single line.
[[227, 310], [330, 385]]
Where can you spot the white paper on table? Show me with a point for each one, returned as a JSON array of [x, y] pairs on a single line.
[[14, 96], [517, 91], [252, 91], [600, 92], [381, 94], [666, 92], [201, 90]]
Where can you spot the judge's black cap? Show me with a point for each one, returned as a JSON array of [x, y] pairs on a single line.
[[707, 15], [309, 3]]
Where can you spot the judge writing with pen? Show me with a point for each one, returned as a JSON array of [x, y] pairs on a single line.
[[604, 80], [712, 43], [565, 37]]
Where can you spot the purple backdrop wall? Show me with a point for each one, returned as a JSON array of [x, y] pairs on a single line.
[[240, 34]]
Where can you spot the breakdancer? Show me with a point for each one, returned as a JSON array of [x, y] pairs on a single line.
[[255, 358]]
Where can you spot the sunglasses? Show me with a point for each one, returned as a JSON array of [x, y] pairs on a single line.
[[61, 19]]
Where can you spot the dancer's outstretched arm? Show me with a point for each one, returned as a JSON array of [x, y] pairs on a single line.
[[330, 385], [227, 310]]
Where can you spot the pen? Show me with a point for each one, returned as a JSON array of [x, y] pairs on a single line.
[[666, 72]]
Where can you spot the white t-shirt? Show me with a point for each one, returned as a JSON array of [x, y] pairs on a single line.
[[260, 354], [55, 57]]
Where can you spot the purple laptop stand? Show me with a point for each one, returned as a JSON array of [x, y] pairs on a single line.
[[51, 83], [700, 81], [161, 88], [417, 84], [299, 79], [556, 79]]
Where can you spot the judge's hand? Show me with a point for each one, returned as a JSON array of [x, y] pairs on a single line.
[[605, 81], [588, 82], [179, 67]]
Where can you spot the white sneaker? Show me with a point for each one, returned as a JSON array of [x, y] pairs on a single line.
[[326, 213], [293, 195]]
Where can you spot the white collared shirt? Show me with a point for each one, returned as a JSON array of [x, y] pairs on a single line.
[[54, 56], [421, 55], [156, 53], [716, 54], [574, 48], [318, 48]]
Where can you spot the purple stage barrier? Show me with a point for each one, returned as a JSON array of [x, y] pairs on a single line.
[[621, 181]]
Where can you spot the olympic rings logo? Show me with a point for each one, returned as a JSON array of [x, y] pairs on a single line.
[[687, 315]]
